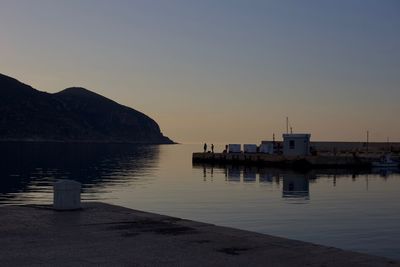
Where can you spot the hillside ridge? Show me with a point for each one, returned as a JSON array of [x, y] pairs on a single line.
[[74, 114]]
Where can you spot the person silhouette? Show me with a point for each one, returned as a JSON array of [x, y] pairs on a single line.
[[205, 147], [212, 148]]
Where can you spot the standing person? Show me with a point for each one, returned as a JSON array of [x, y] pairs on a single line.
[[205, 147], [212, 148]]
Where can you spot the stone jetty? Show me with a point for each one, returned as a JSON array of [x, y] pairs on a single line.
[[267, 160], [99, 234]]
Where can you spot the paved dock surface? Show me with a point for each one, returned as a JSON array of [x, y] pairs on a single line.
[[106, 235]]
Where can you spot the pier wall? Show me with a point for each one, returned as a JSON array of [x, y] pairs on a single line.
[[344, 160]]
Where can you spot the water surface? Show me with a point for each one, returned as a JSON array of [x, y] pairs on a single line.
[[355, 211]]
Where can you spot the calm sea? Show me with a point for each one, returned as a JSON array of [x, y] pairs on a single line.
[[355, 211]]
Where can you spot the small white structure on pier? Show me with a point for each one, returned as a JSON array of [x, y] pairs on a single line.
[[234, 148], [249, 148], [296, 144], [267, 148], [67, 195]]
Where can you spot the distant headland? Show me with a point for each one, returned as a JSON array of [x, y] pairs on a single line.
[[72, 115]]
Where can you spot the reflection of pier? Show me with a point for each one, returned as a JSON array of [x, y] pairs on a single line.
[[295, 186], [233, 174], [249, 174]]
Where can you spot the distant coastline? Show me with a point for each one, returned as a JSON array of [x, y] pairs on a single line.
[[73, 115]]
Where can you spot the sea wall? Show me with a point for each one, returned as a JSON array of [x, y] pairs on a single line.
[[339, 160]]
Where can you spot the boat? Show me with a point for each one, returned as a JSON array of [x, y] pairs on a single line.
[[385, 162]]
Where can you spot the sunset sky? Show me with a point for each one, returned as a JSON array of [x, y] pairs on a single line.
[[219, 71]]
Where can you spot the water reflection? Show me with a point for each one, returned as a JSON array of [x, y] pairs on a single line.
[[233, 173], [249, 174], [295, 185], [384, 172], [27, 167]]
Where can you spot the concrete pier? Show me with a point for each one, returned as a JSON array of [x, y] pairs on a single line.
[[105, 235], [267, 160]]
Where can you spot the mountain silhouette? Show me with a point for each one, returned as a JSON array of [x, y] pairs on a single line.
[[72, 115]]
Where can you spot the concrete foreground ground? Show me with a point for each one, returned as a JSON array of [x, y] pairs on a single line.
[[106, 235]]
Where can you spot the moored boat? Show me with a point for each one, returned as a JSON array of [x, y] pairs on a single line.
[[385, 162]]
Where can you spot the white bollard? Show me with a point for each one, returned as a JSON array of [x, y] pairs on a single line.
[[67, 195]]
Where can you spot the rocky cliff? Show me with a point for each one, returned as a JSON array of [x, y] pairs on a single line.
[[74, 114]]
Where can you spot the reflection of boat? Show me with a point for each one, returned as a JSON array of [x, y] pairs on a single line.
[[385, 162], [384, 172]]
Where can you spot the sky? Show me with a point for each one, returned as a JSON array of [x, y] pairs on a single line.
[[219, 71]]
